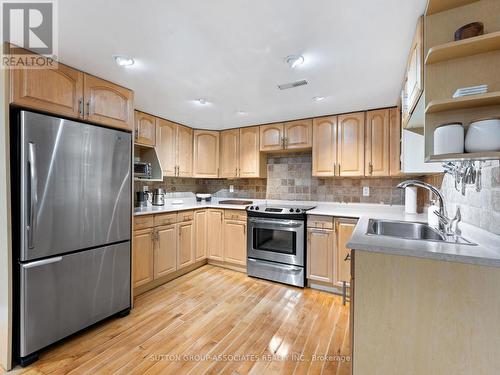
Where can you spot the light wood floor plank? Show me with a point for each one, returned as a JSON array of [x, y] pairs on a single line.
[[215, 313]]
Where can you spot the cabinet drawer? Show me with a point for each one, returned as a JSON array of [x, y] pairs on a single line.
[[141, 222], [316, 221], [235, 215], [185, 216], [165, 219]]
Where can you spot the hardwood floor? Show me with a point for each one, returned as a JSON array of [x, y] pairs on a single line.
[[226, 321]]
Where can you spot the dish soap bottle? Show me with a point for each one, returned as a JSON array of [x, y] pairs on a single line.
[[432, 218]]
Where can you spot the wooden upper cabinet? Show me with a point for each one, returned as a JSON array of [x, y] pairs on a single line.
[[235, 242], [143, 257], [200, 237], [229, 153], [165, 250], [184, 151], [298, 134], [344, 230], [252, 162], [320, 255], [206, 154], [58, 91], [271, 137], [351, 144], [395, 141], [324, 147], [214, 234], [377, 143], [145, 129], [107, 103], [185, 247], [413, 84], [166, 146]]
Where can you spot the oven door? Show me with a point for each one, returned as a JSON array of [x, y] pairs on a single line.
[[276, 240]]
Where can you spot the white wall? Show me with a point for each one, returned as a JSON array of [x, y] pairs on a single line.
[[5, 231]]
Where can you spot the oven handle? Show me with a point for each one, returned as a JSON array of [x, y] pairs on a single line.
[[278, 223]]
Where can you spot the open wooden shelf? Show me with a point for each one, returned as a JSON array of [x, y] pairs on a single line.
[[464, 102], [487, 155], [437, 6], [462, 48]]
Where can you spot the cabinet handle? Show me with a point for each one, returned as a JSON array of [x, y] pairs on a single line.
[[88, 107], [286, 142], [335, 168], [236, 172], [239, 172], [80, 107], [339, 170], [370, 168], [347, 257]]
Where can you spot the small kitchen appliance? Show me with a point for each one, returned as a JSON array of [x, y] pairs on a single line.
[[142, 197], [143, 170], [158, 197], [203, 197]]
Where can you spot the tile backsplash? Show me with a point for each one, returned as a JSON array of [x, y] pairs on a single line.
[[289, 176], [482, 208]]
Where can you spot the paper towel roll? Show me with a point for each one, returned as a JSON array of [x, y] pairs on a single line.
[[411, 200]]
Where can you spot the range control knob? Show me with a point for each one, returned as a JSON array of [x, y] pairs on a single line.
[[257, 208], [251, 207], [291, 209], [297, 210]]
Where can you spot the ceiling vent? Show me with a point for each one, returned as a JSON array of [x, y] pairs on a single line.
[[291, 85]]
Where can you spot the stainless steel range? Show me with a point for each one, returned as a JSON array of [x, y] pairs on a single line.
[[276, 243]]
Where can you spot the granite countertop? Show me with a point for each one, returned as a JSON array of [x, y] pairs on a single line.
[[486, 252]]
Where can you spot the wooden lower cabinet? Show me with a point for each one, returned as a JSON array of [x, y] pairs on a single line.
[[143, 271], [200, 236], [165, 250], [320, 254], [214, 234], [344, 230], [235, 242], [185, 246]]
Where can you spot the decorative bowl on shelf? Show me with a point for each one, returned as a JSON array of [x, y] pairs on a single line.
[[469, 31], [483, 135], [449, 139]]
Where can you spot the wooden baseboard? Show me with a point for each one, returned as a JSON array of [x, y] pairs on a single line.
[[165, 279]]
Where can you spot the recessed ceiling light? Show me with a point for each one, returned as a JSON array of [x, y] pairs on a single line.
[[294, 60], [123, 60], [242, 113], [202, 101], [319, 98]]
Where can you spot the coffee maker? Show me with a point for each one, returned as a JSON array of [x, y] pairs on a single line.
[[142, 197]]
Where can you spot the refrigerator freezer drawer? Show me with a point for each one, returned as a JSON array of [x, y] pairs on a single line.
[[62, 295]]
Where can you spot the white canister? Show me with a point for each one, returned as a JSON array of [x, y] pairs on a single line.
[[449, 139], [411, 200], [483, 135]]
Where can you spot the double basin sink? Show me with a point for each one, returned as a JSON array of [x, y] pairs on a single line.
[[411, 231]]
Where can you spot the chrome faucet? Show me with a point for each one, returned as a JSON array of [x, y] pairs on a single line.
[[443, 218]]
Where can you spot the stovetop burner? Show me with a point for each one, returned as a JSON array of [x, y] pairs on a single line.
[[279, 209]]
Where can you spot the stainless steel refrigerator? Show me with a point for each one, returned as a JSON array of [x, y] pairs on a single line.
[[73, 186]]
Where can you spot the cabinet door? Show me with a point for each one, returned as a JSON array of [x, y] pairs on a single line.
[[395, 141], [229, 153], [414, 70], [320, 255], [344, 229], [206, 154], [166, 146], [58, 91], [108, 104], [145, 129], [165, 256], [351, 144], [214, 234], [271, 137], [298, 134], [324, 148], [200, 238], [143, 257], [377, 147], [185, 247], [235, 242], [252, 163], [184, 151]]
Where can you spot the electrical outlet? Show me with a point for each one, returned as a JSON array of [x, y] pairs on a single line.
[[231, 188], [366, 191]]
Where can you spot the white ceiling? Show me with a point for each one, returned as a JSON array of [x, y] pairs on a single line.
[[231, 52]]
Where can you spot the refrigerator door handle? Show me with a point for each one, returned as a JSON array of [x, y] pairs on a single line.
[[42, 262], [33, 195]]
